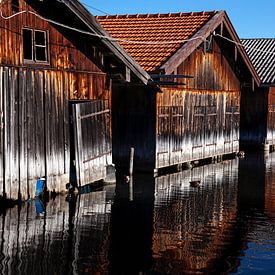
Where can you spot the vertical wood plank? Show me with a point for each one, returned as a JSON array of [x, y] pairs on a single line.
[[7, 169], [14, 144], [1, 132], [23, 161]]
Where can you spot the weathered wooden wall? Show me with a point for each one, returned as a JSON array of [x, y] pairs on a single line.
[[193, 125], [34, 101], [200, 120], [35, 132], [210, 69]]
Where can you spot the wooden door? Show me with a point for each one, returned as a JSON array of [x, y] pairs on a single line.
[[91, 125]]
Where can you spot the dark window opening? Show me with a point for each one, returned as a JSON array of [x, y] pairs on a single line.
[[35, 45], [27, 44], [15, 6]]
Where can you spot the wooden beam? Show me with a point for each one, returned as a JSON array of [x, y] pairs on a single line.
[[221, 30]]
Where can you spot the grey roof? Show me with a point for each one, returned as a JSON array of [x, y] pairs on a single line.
[[264, 62]]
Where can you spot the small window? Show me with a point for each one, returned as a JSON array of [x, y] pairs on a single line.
[[40, 42], [35, 45]]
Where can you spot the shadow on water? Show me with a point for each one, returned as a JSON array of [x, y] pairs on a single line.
[[165, 225]]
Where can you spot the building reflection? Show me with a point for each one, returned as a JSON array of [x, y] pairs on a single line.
[[270, 187], [254, 224], [65, 238], [192, 225], [162, 225]]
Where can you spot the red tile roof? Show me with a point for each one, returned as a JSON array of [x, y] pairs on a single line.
[[153, 27]]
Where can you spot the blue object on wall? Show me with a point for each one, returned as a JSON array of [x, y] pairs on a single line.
[[39, 207], [40, 185]]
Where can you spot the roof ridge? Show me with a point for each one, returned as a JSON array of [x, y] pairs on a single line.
[[156, 15]]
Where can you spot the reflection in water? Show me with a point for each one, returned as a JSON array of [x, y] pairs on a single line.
[[192, 226], [256, 214], [65, 239], [162, 226]]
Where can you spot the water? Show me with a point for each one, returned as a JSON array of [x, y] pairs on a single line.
[[224, 226]]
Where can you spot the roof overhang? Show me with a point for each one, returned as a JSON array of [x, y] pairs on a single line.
[[218, 19], [88, 24], [89, 20]]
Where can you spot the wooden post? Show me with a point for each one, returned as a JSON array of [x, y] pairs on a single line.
[[131, 168], [131, 189], [131, 162]]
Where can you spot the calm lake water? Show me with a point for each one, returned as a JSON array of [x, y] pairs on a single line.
[[225, 226]]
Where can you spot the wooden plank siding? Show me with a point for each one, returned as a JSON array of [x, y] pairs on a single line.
[[35, 127], [201, 119], [193, 125]]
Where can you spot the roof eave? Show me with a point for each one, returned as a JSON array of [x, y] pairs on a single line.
[[190, 46], [242, 51], [89, 20], [176, 59]]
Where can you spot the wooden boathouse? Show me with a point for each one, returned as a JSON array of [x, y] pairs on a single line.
[[258, 108], [56, 75], [191, 110]]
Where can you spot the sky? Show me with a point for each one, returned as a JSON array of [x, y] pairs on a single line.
[[251, 18]]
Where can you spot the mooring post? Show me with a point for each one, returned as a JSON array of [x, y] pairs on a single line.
[[131, 189], [131, 162]]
